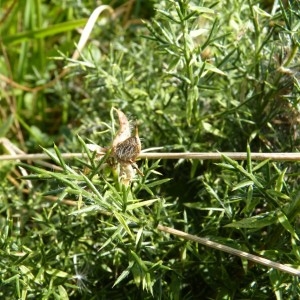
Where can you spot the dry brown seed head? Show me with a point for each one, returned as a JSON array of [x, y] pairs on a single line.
[[128, 150]]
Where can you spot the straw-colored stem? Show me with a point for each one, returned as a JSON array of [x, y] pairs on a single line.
[[233, 251], [176, 155]]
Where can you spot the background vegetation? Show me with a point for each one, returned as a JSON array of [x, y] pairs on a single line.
[[197, 76]]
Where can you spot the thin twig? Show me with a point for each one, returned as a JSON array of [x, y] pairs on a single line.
[[218, 156], [39, 156], [176, 155], [233, 251]]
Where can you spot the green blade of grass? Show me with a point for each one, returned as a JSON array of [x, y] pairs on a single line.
[[43, 32]]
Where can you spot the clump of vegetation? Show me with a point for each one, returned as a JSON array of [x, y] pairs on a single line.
[[193, 76]]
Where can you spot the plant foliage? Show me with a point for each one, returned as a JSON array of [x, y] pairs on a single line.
[[194, 76]]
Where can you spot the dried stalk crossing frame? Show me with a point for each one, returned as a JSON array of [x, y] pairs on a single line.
[[230, 250], [282, 156]]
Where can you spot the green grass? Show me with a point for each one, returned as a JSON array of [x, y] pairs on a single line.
[[196, 76]]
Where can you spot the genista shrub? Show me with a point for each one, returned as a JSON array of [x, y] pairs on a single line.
[[192, 76]]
